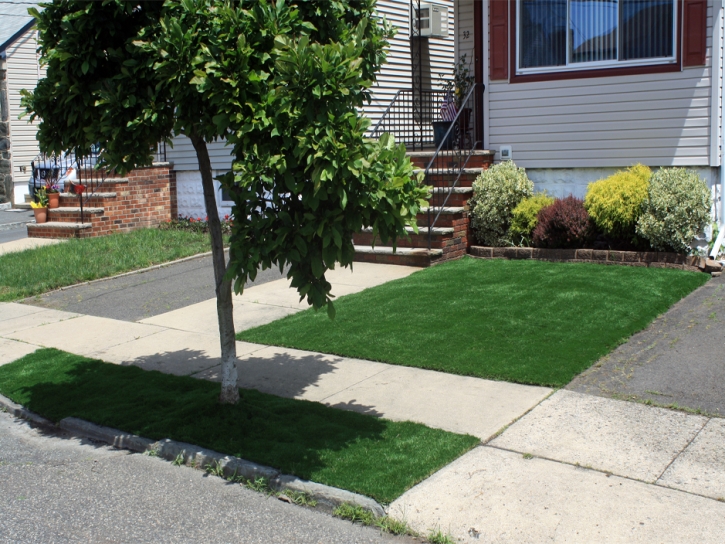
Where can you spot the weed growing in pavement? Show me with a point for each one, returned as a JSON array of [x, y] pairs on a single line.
[[300, 498], [153, 452], [527, 456], [439, 537], [215, 469], [179, 460], [357, 514], [260, 485]]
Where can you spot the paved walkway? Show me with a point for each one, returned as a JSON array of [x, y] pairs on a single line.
[[678, 360], [574, 467]]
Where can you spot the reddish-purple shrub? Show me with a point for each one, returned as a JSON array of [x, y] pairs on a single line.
[[563, 225]]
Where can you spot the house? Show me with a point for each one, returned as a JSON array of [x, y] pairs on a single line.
[[19, 69]]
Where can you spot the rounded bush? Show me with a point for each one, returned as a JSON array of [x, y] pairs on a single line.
[[496, 192], [615, 203], [677, 208], [564, 225], [525, 216]]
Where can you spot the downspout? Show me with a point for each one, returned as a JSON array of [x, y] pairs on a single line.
[[721, 235]]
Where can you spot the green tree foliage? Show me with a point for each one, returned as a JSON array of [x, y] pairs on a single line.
[[280, 82], [615, 203], [676, 210]]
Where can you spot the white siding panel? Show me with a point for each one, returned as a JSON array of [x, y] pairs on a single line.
[[22, 73], [183, 156], [396, 74], [656, 119], [464, 31]]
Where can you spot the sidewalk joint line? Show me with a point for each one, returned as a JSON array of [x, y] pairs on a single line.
[[601, 471], [682, 450]]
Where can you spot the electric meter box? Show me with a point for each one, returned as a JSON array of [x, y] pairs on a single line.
[[433, 20]]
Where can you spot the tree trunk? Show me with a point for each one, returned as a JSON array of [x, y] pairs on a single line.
[[224, 308]]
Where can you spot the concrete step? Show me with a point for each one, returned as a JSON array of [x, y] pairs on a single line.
[[450, 216], [404, 256]]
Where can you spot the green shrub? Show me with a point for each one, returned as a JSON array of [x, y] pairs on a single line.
[[524, 217], [496, 192], [677, 208], [615, 203]]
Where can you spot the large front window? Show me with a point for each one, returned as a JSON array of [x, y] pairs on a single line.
[[562, 35]]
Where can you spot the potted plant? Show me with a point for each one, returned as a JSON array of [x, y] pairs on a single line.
[[40, 206], [53, 191], [456, 90]]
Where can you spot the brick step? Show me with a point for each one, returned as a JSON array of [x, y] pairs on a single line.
[[403, 256], [441, 177], [447, 159], [457, 196], [440, 238], [66, 214], [450, 216], [60, 229], [94, 199]]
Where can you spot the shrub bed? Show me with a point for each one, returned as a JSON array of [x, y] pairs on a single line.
[[632, 209]]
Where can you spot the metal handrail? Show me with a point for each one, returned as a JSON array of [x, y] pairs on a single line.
[[464, 150], [374, 132]]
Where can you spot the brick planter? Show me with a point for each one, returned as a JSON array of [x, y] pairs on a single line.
[[651, 259]]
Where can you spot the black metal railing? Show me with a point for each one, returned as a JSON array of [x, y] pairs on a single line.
[[414, 116], [72, 173], [453, 154], [160, 152]]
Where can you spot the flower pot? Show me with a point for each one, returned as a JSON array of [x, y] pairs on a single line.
[[53, 200], [41, 215], [439, 132]]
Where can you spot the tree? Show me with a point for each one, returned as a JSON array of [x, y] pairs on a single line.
[[281, 83]]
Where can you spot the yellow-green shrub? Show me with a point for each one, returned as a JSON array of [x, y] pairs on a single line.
[[615, 203], [524, 217]]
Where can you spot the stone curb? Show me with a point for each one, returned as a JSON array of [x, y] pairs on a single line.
[[23, 413], [327, 497], [6, 206]]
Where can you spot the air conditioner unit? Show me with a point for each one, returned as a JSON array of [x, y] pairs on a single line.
[[433, 20]]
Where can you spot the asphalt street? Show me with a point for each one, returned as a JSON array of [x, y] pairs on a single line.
[[54, 488], [138, 296], [12, 224], [676, 361]]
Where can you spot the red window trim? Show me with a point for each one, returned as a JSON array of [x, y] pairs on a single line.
[[590, 73]]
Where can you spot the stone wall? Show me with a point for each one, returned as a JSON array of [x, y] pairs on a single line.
[[6, 169]]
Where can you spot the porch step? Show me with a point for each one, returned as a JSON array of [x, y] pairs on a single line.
[[405, 256], [440, 237], [59, 229], [479, 158]]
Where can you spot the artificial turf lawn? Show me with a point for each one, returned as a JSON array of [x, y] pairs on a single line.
[[365, 454], [34, 271], [530, 322]]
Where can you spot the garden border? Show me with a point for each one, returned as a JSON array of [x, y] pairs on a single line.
[[651, 259]]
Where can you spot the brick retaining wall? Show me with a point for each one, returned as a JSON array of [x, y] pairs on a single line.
[[628, 258]]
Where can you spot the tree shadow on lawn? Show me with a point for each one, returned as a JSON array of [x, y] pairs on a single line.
[[343, 448]]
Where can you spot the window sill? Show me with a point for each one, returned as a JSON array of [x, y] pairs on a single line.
[[597, 72]]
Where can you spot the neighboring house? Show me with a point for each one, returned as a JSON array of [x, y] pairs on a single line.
[[19, 69]]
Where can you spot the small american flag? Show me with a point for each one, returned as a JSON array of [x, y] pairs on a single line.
[[448, 108]]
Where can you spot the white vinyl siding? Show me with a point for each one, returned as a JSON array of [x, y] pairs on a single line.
[[22, 73], [465, 31], [657, 119], [395, 75]]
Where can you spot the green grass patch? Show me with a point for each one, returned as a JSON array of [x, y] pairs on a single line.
[[34, 271], [365, 454], [530, 322]]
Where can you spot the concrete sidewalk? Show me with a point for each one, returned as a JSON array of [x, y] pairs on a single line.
[[186, 342]]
